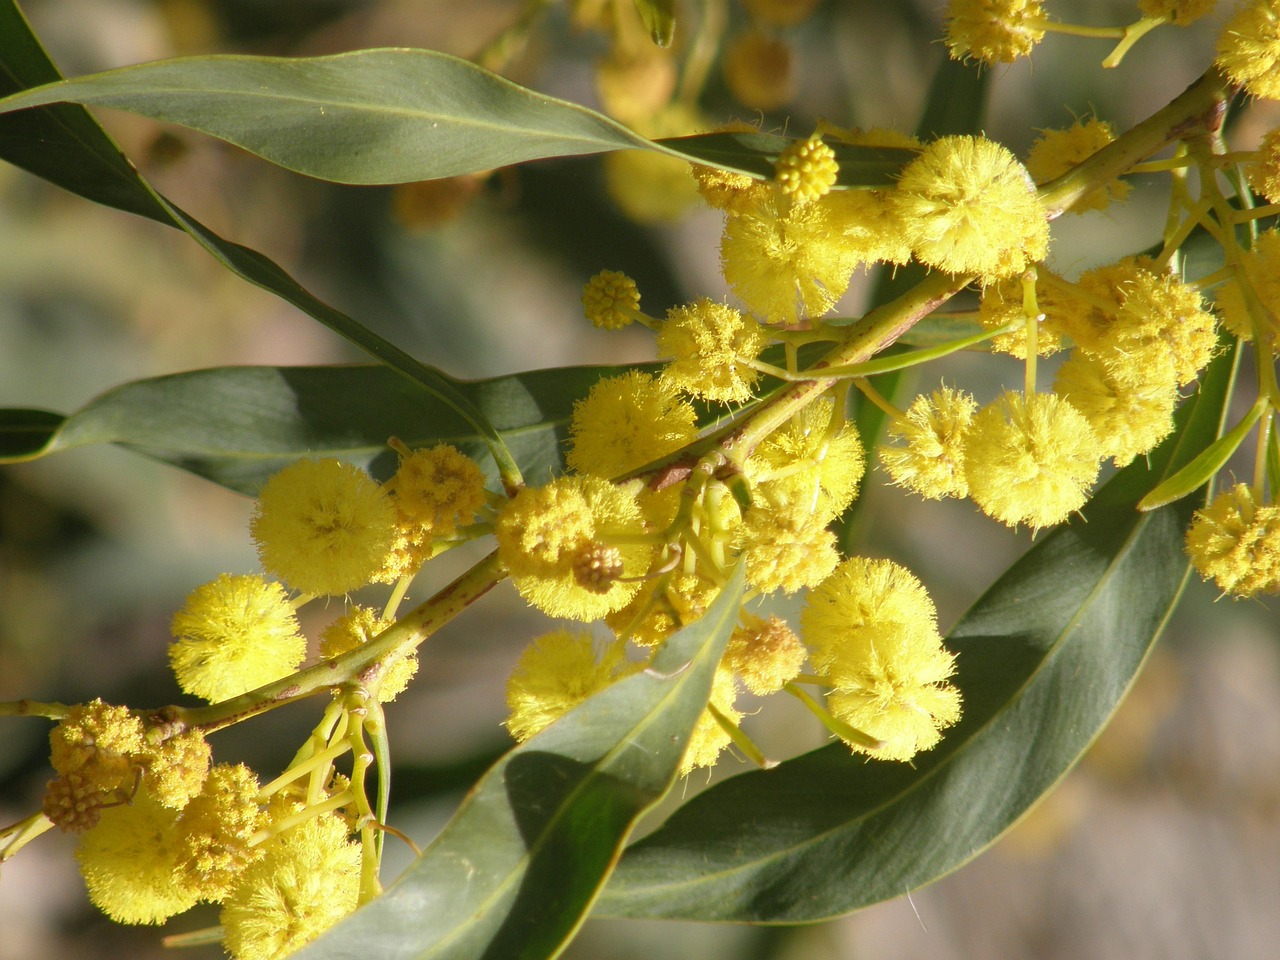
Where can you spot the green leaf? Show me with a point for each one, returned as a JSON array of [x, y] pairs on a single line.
[[1044, 658], [957, 100], [755, 154], [372, 116], [514, 873], [238, 425], [659, 17]]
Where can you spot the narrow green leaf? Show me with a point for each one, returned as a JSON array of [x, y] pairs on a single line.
[[755, 154], [659, 17], [1273, 456], [1201, 470], [514, 873], [238, 425], [957, 99], [1044, 659], [372, 116]]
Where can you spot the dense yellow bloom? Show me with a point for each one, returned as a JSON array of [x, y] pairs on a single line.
[[234, 634], [1030, 459], [323, 526], [543, 534], [1235, 541], [1002, 303], [1249, 48], [967, 206], [786, 261], [925, 448], [662, 606], [357, 627], [627, 421], [611, 300], [307, 880], [786, 549], [706, 341], [1128, 419], [993, 31], [97, 740], [764, 654], [809, 467], [130, 863], [1263, 173], [708, 738], [175, 769], [868, 226], [436, 490], [1057, 151], [216, 828], [806, 170], [557, 672], [1181, 12], [758, 70], [1261, 266]]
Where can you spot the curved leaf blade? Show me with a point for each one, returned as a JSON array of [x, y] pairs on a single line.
[[372, 116], [1044, 659], [514, 873], [756, 154]]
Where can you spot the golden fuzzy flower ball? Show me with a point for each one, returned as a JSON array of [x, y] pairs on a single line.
[[993, 31]]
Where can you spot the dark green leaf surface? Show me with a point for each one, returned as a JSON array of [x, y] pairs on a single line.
[[372, 116], [1044, 659], [238, 425], [515, 871]]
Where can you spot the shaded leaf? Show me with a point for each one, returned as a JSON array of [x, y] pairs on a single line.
[[1044, 659], [515, 871]]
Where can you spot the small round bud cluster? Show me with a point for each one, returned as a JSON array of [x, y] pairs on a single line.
[[610, 300], [596, 566], [806, 170]]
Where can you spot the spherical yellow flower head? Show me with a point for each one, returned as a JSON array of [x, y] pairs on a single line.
[[759, 70], [175, 769], [438, 489], [705, 341], [925, 449], [1160, 331], [323, 526], [708, 738], [98, 741], [1235, 542], [967, 206], [129, 862], [233, 635], [610, 300], [216, 829], [1128, 419], [868, 226], [544, 532], [307, 880], [1249, 48], [356, 628], [1002, 303], [787, 265], [804, 467], [1057, 151], [627, 421], [1263, 173], [1261, 265], [780, 13], [1085, 310], [785, 550], [1181, 12], [647, 186], [993, 31], [764, 654], [1030, 459], [806, 170], [661, 607], [557, 672]]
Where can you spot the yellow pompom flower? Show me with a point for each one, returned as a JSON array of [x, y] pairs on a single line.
[[611, 300], [1235, 541], [323, 526], [627, 421], [307, 880], [730, 191], [1002, 303], [216, 831], [175, 769], [806, 170], [764, 654], [1057, 151], [1261, 266], [99, 741], [1030, 459], [1160, 331], [437, 489], [1263, 172], [1128, 419], [557, 672], [868, 226], [925, 449], [787, 262], [994, 31], [807, 467], [234, 634], [129, 862], [1249, 48], [550, 540], [708, 739], [705, 342], [967, 206], [786, 550], [759, 70], [1181, 12], [661, 607], [357, 627]]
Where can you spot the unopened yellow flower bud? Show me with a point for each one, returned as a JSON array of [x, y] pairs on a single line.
[[610, 300], [806, 170]]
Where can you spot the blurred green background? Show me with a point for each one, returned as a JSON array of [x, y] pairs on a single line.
[[1165, 843]]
